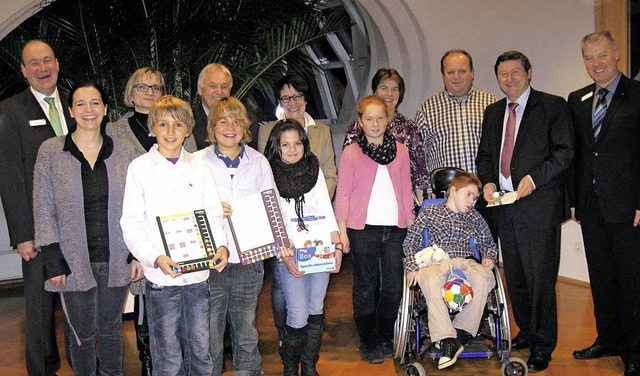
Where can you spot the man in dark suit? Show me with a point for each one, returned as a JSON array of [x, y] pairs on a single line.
[[606, 115], [526, 146], [25, 122]]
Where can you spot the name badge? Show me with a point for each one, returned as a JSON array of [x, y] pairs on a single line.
[[37, 123], [587, 96]]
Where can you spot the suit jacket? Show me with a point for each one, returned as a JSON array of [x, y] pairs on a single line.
[[543, 149], [321, 145], [18, 152], [614, 161]]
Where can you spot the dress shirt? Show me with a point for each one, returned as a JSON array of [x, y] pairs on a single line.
[[507, 183], [451, 129], [45, 106]]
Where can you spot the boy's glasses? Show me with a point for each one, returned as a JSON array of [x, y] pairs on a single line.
[[143, 88], [287, 98]]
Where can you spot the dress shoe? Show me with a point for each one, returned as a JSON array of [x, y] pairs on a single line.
[[593, 352], [519, 343], [538, 361], [632, 369]]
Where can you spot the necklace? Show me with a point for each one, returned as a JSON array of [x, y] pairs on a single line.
[[142, 126]]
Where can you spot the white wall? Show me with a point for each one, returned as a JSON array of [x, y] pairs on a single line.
[[412, 35]]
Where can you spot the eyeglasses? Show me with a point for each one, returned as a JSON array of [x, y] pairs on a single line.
[[143, 88], [287, 98]]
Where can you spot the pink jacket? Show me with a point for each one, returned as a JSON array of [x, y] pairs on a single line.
[[356, 175]]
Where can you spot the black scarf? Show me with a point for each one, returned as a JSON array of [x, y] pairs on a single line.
[[381, 154], [294, 180]]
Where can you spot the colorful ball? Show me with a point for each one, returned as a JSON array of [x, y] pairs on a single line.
[[457, 293]]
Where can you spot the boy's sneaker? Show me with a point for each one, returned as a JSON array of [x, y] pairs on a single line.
[[450, 348], [387, 349], [463, 336], [371, 353]]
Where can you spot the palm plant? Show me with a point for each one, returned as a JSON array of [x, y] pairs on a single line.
[[106, 40]]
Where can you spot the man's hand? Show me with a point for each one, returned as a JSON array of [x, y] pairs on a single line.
[[525, 187], [636, 220], [412, 278], [488, 191], [222, 254], [136, 271], [166, 264], [27, 251], [59, 280]]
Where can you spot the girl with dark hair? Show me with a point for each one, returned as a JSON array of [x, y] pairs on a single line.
[[78, 191], [303, 195], [374, 208]]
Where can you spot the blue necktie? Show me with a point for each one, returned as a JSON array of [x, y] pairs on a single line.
[[600, 111]]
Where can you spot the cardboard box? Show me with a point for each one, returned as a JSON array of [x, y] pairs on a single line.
[[316, 259]]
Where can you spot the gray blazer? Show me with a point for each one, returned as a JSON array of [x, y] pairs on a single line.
[[58, 208]]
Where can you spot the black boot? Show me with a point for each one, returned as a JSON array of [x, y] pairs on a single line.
[[386, 327], [292, 349], [142, 336], [311, 345], [367, 330]]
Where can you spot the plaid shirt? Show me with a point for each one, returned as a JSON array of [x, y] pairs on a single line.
[[405, 132], [451, 129], [451, 232]]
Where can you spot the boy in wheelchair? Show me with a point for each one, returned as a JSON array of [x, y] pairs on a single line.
[[451, 226]]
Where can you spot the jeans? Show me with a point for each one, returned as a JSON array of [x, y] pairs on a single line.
[[96, 313], [278, 302], [179, 314], [377, 254], [304, 296], [234, 297]]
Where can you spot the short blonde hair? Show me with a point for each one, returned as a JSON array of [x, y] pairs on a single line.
[[135, 79], [369, 100], [173, 107], [233, 109]]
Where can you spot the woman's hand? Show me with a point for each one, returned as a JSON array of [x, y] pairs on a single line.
[[222, 254], [226, 209], [136, 271], [59, 280], [338, 261], [292, 268], [166, 264], [344, 239]]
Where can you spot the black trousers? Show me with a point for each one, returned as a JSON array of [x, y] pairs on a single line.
[[41, 349], [531, 255], [613, 260]]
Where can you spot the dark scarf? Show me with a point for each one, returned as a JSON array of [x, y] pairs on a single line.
[[381, 154], [294, 180]]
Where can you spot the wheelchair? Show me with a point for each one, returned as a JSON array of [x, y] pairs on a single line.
[[411, 330]]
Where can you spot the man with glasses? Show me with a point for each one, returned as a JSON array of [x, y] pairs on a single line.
[[526, 146], [26, 120]]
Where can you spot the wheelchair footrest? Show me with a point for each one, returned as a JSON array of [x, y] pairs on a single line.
[[475, 348]]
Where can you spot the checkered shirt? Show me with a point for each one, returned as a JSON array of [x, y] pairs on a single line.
[[451, 129], [451, 232]]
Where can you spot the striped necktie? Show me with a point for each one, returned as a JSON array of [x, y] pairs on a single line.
[[599, 112], [54, 116]]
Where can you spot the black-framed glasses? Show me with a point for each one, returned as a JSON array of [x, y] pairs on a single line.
[[287, 98], [143, 88]]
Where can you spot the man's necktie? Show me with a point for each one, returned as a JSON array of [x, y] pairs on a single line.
[[54, 116], [509, 140], [600, 111]]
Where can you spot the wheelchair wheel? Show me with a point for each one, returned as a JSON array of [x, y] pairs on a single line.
[[402, 327], [504, 347], [415, 369], [514, 366]]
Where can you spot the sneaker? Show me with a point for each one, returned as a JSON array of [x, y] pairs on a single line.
[[450, 348], [371, 353], [387, 349], [463, 336]]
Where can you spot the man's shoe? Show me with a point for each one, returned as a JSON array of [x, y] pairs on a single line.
[[450, 348], [371, 353], [631, 369], [519, 343], [593, 352], [538, 361]]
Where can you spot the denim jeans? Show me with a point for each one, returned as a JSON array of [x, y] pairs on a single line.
[[179, 316], [96, 313], [377, 254], [234, 297], [304, 296], [278, 302]]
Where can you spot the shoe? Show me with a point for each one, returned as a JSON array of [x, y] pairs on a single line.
[[594, 351], [462, 336], [538, 361], [371, 353], [519, 343], [450, 348], [387, 349], [631, 369]]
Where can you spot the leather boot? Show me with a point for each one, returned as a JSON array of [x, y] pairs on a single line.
[[311, 345], [386, 327], [367, 329], [142, 337], [292, 349]]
